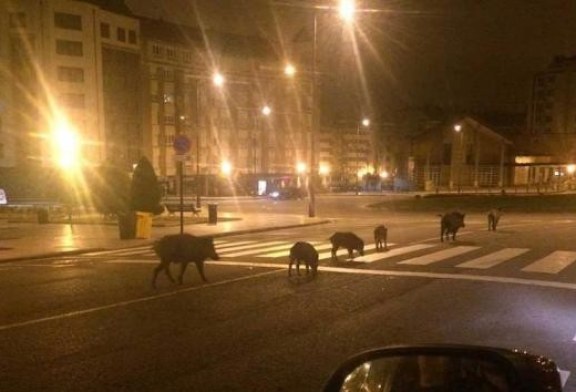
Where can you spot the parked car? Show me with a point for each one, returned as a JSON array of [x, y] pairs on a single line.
[[288, 193]]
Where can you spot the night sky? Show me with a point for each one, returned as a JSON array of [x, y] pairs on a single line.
[[473, 55]]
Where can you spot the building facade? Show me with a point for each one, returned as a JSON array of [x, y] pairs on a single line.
[[62, 57], [461, 154], [257, 122]]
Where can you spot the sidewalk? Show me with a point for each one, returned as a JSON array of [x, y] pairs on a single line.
[[32, 240]]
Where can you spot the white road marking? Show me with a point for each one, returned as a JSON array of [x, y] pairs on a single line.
[[119, 252], [492, 259], [553, 263], [439, 256], [564, 374], [394, 252], [326, 255], [277, 267], [230, 251], [129, 302], [284, 250], [230, 244]]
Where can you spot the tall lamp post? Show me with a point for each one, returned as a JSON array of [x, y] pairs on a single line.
[[460, 155], [346, 9], [365, 123], [265, 112]]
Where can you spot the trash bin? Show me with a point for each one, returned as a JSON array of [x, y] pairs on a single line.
[[143, 224], [212, 214], [127, 225], [42, 215]]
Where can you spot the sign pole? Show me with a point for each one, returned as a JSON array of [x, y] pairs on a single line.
[[181, 180], [181, 147]]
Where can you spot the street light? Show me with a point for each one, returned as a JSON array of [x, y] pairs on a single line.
[[218, 79], [365, 123], [289, 70], [460, 155], [347, 9]]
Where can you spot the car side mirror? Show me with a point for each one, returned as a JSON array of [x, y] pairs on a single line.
[[445, 368]]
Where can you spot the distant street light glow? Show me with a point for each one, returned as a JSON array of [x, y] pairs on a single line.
[[571, 168], [226, 168], [289, 70], [366, 122], [266, 110], [457, 127], [347, 9], [301, 167], [218, 79]]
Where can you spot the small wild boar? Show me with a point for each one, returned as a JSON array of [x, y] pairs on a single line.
[[494, 216], [303, 251], [347, 240], [381, 237], [450, 224], [183, 249]]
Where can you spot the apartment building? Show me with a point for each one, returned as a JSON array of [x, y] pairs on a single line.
[[69, 65], [255, 120]]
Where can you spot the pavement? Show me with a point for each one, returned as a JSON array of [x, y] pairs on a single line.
[[29, 240]]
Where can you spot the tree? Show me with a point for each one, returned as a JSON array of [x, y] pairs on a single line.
[[145, 192]]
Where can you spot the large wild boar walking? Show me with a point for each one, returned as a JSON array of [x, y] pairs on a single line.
[[347, 240], [381, 237], [494, 216], [183, 249], [303, 251], [450, 224]]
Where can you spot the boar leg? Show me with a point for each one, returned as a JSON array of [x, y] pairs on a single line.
[[183, 266], [200, 267]]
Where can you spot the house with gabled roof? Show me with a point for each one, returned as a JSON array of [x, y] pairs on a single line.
[[461, 154]]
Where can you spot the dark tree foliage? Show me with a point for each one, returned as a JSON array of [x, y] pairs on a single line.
[[145, 192], [110, 190]]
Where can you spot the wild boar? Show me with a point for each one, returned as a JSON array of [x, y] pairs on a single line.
[[494, 216], [303, 251], [347, 240], [450, 224], [381, 237], [183, 249]]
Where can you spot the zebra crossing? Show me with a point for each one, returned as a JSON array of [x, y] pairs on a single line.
[[417, 255]]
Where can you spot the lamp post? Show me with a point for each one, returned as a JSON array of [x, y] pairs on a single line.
[[265, 111], [346, 10], [365, 123], [459, 156]]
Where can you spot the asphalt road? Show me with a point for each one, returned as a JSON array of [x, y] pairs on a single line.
[[92, 322]]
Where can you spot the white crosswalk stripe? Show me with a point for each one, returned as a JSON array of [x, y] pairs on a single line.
[[285, 250], [553, 263], [249, 249], [393, 252], [326, 255], [439, 256], [493, 259]]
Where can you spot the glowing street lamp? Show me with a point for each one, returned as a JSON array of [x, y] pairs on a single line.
[[289, 70], [347, 9], [226, 168], [66, 145], [218, 79], [571, 168], [266, 110]]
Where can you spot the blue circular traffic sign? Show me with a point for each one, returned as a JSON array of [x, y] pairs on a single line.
[[181, 144]]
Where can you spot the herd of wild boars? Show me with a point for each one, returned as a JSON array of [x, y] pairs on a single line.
[[185, 248]]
